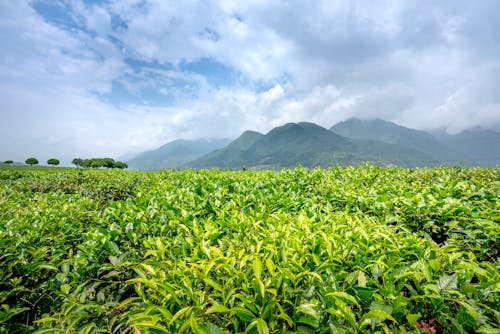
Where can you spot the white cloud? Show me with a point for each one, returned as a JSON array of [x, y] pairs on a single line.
[[48, 77], [420, 63]]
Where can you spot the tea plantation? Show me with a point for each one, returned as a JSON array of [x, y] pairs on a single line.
[[365, 249]]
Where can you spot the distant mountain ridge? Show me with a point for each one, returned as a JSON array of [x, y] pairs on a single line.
[[388, 132], [175, 153], [311, 145], [477, 146], [472, 147], [351, 142], [230, 156]]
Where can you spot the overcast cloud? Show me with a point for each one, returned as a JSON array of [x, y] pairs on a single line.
[[106, 78]]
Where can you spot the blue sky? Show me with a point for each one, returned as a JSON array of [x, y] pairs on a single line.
[[107, 78]]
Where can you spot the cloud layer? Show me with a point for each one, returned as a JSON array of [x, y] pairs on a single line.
[[87, 78]]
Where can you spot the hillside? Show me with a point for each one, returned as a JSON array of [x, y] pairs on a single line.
[[351, 142], [176, 153], [309, 145], [295, 143], [392, 133], [478, 146], [229, 156]]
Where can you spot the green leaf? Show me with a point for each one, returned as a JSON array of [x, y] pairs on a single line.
[[286, 317], [487, 329], [126, 302], [309, 309], [257, 267], [434, 264], [217, 309], [65, 268], [148, 268], [413, 318], [447, 282], [470, 309], [306, 320], [261, 288], [179, 314], [343, 295], [195, 327], [342, 310], [213, 329], [114, 247], [87, 328], [114, 260], [361, 279], [262, 326], [457, 327], [375, 317], [242, 313], [10, 312], [270, 266], [65, 288], [48, 330], [468, 289], [112, 273], [48, 267]]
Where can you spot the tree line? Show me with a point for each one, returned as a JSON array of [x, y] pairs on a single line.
[[85, 163], [99, 163], [34, 161]]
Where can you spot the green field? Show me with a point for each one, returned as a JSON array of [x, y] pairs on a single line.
[[366, 249]]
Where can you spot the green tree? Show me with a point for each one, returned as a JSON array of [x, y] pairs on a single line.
[[77, 162], [31, 161], [53, 162], [86, 163], [120, 165], [8, 162], [108, 162], [96, 163]]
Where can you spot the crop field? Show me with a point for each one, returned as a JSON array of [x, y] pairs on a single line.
[[341, 250]]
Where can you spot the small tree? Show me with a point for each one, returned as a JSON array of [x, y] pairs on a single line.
[[86, 163], [8, 162], [77, 162], [96, 163], [120, 165], [108, 162], [31, 161], [53, 162]]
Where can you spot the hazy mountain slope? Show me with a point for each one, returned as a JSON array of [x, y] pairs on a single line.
[[478, 146], [381, 153], [351, 142], [310, 145], [392, 133], [229, 156], [176, 153], [295, 143]]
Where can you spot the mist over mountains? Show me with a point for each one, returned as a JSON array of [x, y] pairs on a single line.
[[175, 154], [349, 143]]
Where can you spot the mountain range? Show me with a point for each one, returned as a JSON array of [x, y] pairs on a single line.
[[351, 142], [175, 154]]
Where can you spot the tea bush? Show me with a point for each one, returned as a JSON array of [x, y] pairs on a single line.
[[349, 250]]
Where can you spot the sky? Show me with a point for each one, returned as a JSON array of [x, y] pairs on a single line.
[[110, 78]]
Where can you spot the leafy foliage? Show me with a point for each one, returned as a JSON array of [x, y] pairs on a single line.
[[99, 163], [53, 162], [31, 161], [297, 251], [120, 165]]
